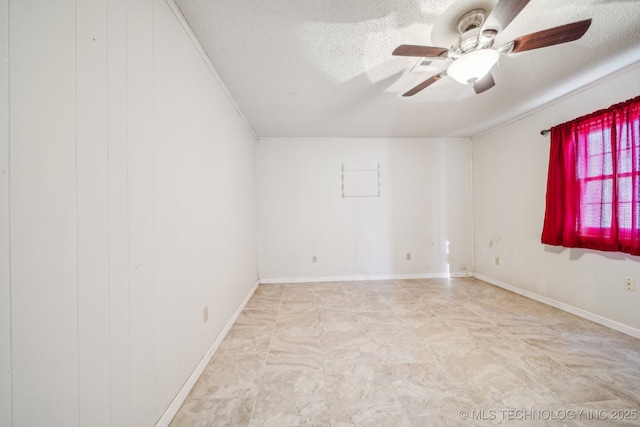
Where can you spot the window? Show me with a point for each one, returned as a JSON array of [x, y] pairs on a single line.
[[593, 187]]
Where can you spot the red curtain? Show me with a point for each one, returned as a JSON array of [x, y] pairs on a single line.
[[593, 184]]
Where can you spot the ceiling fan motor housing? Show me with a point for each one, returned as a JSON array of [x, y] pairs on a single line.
[[471, 35], [471, 20]]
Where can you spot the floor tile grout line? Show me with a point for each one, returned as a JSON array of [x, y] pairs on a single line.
[[266, 358]]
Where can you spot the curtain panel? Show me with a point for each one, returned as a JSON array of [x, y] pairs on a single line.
[[593, 183]]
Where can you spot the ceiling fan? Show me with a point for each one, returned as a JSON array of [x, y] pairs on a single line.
[[474, 55]]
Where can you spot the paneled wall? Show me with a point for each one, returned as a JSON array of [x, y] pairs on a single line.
[[128, 205], [5, 272], [510, 167], [424, 208]]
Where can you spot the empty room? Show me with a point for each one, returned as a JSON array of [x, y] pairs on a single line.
[[319, 213]]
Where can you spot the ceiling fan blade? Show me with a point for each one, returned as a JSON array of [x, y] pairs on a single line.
[[484, 83], [431, 80], [552, 36], [420, 51], [503, 13]]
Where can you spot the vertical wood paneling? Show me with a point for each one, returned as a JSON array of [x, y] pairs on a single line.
[[187, 338], [93, 209], [43, 213], [5, 272], [118, 214], [170, 58], [117, 211], [196, 259], [142, 292]]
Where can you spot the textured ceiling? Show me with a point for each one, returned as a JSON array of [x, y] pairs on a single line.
[[324, 67]]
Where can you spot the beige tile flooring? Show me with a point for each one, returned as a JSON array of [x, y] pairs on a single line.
[[413, 353]]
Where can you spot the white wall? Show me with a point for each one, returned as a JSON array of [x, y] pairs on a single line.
[[132, 206], [424, 208], [5, 288], [509, 186]]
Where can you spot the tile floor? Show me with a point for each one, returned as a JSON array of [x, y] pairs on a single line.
[[413, 353]]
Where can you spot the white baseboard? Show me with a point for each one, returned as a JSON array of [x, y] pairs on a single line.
[[620, 327], [365, 277], [177, 402]]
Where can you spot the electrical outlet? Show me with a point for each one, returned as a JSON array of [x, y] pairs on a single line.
[[408, 256], [314, 259], [629, 284], [205, 314], [496, 260]]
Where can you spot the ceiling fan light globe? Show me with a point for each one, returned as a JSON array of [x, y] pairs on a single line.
[[474, 65]]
